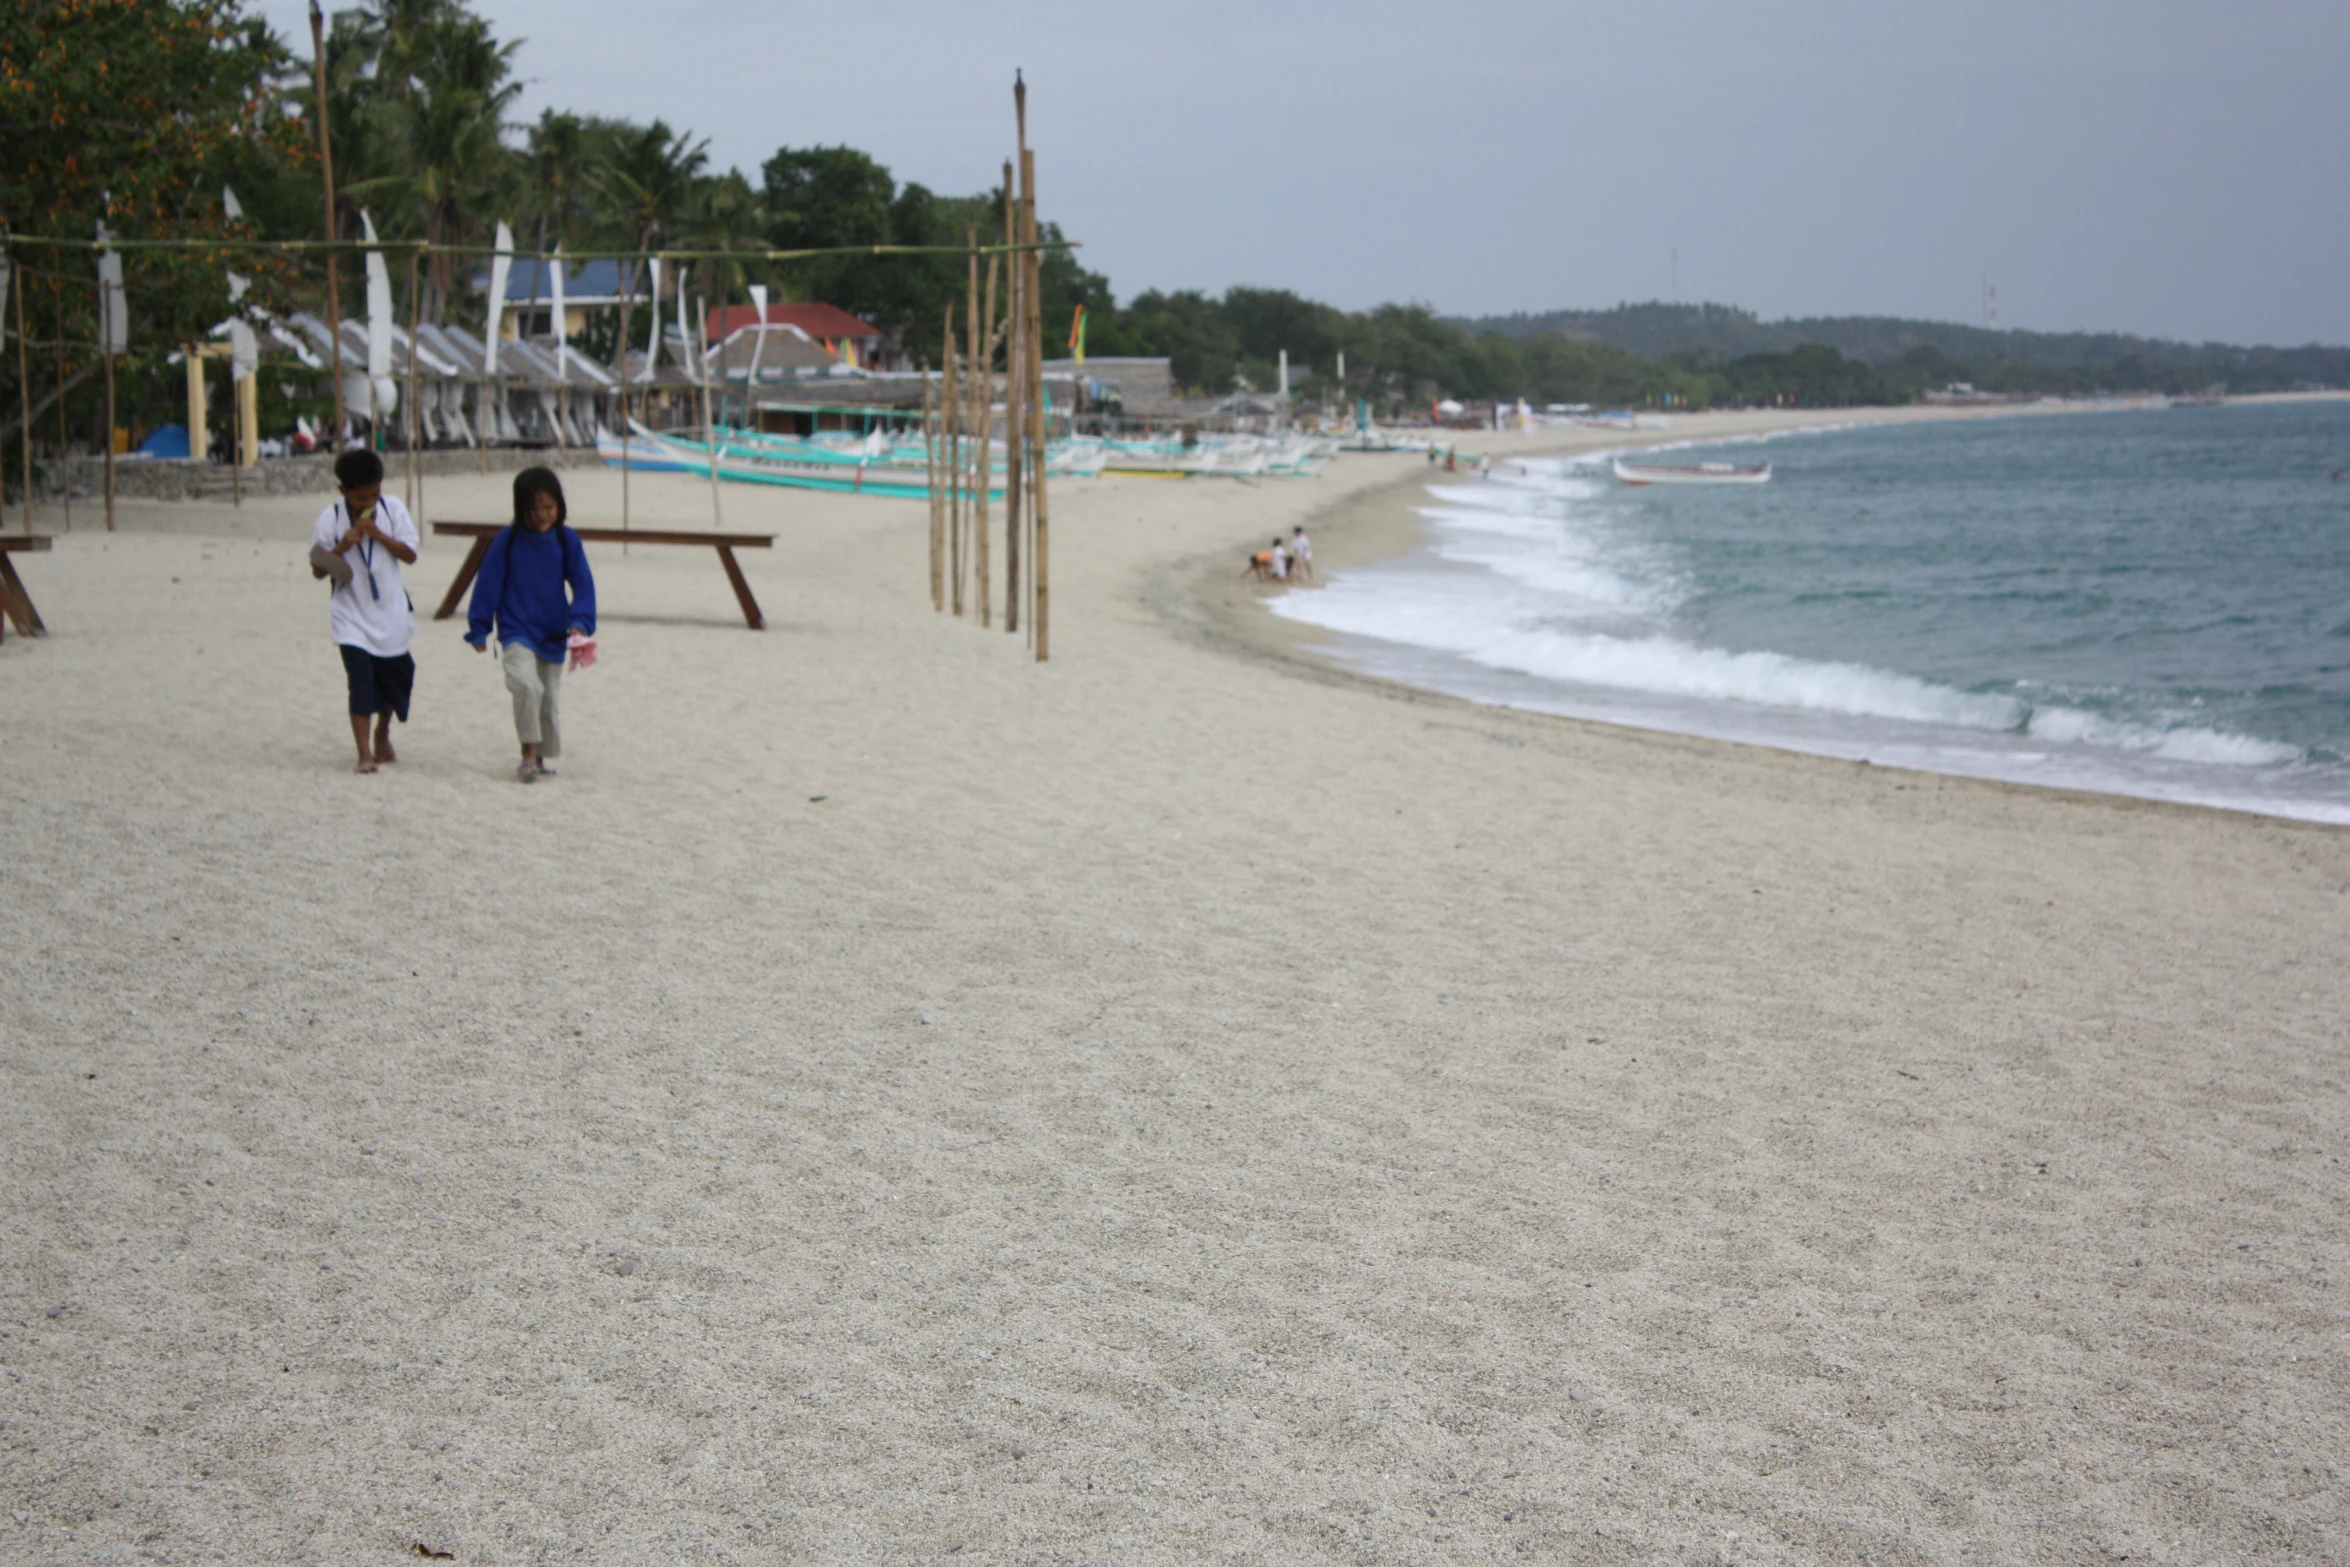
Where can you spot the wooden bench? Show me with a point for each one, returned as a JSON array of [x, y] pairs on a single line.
[[724, 543], [14, 600]]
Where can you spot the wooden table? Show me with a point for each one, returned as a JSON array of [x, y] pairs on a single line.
[[17, 603], [724, 543]]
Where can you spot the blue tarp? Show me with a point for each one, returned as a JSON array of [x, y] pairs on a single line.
[[170, 440]]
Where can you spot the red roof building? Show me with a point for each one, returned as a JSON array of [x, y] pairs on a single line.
[[828, 325]]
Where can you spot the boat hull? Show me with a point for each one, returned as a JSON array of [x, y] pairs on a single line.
[[1637, 474]]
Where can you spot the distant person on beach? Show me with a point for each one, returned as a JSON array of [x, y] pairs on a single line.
[[361, 542], [1277, 560], [536, 589], [1301, 553]]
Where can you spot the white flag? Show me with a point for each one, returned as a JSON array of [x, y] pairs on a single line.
[[653, 343], [379, 304], [758, 342], [230, 205], [500, 265], [237, 284], [379, 326], [562, 326], [244, 353], [114, 310]]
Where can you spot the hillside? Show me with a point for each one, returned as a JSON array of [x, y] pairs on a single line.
[[2041, 360]]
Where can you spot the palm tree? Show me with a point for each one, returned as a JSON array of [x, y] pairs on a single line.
[[650, 180], [454, 114], [556, 156]]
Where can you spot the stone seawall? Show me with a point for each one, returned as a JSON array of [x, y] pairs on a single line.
[[186, 479]]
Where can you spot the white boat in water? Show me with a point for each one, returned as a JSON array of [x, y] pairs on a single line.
[[1701, 473]]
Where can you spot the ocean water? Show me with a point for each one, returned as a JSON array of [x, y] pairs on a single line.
[[2147, 602]]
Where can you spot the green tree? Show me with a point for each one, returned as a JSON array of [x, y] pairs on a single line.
[[136, 113]]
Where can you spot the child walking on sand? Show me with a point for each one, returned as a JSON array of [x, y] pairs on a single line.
[[535, 588], [362, 541]]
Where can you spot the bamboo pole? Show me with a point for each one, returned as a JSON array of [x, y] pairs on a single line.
[[244, 427], [1016, 309], [415, 410], [24, 394], [326, 165], [951, 411], [975, 369], [930, 433], [57, 294], [620, 362], [984, 465], [1039, 556], [709, 428], [106, 352]]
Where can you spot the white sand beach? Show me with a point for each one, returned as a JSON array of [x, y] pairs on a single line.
[[890, 1101]]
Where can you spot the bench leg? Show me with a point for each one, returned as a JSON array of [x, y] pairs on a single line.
[[19, 603], [465, 574], [742, 589]]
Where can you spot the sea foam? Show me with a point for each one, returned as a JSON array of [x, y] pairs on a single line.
[[1543, 575]]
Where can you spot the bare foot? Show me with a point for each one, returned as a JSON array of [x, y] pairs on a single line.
[[366, 765], [383, 748]]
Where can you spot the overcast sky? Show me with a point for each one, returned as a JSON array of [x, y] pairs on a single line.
[[2179, 170]]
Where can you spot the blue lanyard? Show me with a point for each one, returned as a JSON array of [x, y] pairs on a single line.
[[367, 559]]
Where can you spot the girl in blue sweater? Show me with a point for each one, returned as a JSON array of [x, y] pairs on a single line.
[[535, 587]]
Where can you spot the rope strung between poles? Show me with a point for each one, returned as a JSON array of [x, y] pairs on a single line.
[[339, 246]]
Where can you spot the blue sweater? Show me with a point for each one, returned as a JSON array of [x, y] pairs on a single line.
[[521, 588]]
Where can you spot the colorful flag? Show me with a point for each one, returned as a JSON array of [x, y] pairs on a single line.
[[1077, 335]]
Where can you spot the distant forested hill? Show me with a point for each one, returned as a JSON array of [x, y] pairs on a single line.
[[1922, 351]]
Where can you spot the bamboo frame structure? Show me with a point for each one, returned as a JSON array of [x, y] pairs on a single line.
[[709, 429], [620, 364], [1038, 554], [983, 460], [24, 394], [415, 496], [1016, 307], [58, 296], [326, 166], [958, 411], [951, 399], [937, 501], [106, 353]]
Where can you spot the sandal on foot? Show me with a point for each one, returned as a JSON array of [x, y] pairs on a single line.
[[545, 771], [526, 773]]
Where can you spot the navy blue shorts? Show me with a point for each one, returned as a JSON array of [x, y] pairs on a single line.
[[378, 685]]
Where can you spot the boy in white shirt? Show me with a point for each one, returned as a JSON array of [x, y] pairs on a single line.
[[362, 541], [1301, 553]]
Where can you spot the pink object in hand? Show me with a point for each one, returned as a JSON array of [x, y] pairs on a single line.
[[583, 650]]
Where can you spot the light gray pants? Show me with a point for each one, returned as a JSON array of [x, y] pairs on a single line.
[[537, 685]]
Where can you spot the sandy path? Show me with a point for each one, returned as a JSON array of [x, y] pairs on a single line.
[[1172, 1105]]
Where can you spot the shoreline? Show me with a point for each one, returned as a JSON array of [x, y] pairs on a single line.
[[1384, 523], [891, 1100]]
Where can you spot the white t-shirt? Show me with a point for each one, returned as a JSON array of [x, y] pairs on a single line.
[[1301, 547], [370, 611]]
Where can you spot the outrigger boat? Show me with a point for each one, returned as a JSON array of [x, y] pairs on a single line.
[[1701, 473]]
